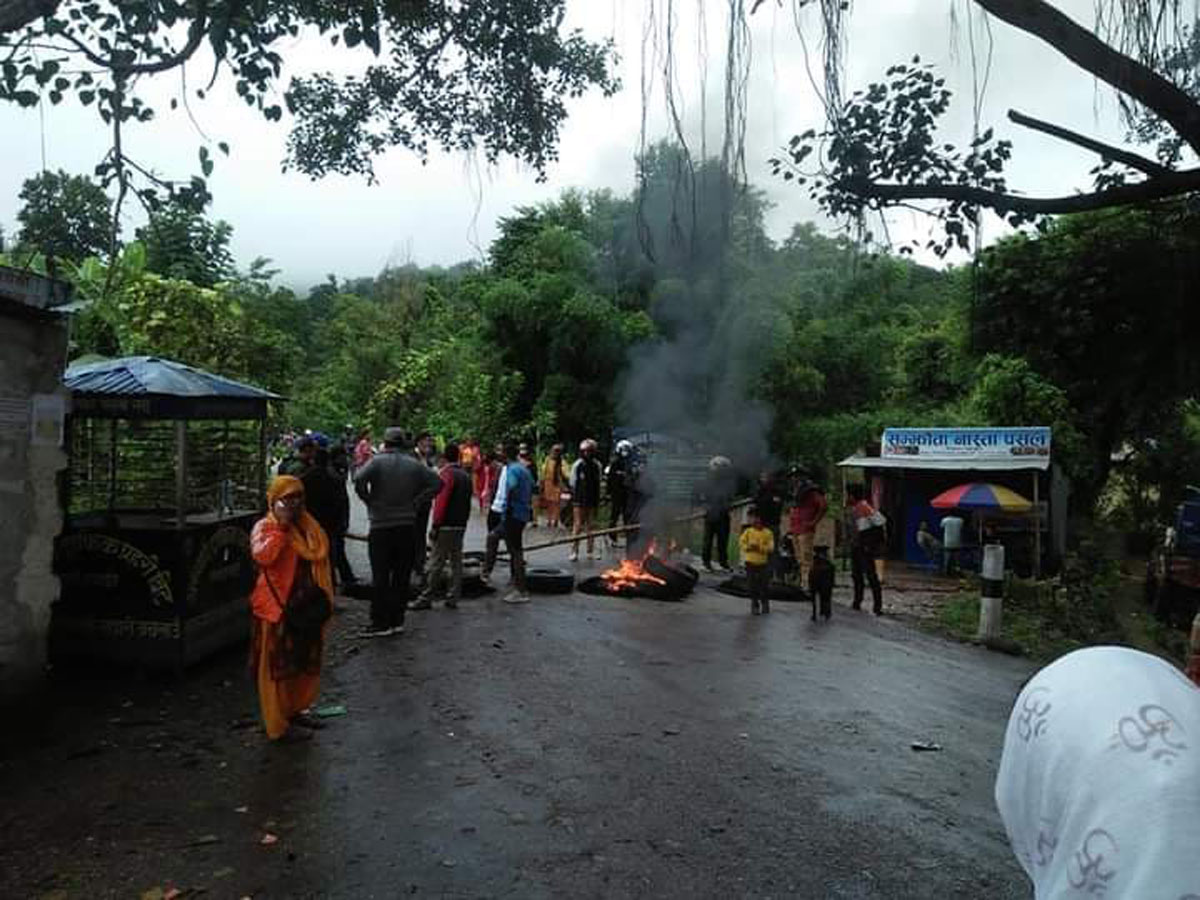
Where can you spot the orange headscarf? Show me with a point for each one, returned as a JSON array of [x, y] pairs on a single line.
[[308, 538]]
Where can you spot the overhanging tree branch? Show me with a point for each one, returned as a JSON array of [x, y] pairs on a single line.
[[1132, 78], [1170, 185], [17, 14], [195, 38], [1133, 160]]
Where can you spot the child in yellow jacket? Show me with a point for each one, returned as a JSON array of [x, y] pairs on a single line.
[[757, 543]]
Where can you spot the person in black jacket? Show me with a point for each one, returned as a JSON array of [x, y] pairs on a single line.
[[768, 499], [716, 496], [451, 510], [585, 496], [326, 498], [339, 461], [393, 485], [301, 459], [639, 489], [615, 476]]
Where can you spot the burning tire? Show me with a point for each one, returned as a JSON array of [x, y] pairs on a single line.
[[549, 580], [651, 577], [597, 586], [679, 579]]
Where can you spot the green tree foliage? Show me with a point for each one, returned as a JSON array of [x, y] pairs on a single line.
[[219, 330], [550, 317], [238, 325], [1007, 391], [183, 244], [1103, 306], [64, 217], [354, 350], [930, 366], [492, 75], [1151, 473], [833, 343], [871, 341], [447, 382]]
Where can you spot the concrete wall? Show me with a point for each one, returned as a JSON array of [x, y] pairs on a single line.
[[33, 349]]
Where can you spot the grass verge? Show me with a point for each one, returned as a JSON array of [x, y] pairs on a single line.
[[1023, 631], [1044, 622]]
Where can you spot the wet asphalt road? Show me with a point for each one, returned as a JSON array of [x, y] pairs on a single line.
[[583, 746], [574, 747]]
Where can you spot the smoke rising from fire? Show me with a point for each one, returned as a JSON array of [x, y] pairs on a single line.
[[697, 381]]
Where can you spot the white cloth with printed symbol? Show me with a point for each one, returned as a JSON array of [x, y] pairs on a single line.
[[1099, 782]]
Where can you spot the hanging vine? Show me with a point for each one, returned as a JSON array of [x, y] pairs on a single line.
[[660, 58]]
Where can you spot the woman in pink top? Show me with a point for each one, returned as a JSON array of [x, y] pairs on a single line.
[[363, 451]]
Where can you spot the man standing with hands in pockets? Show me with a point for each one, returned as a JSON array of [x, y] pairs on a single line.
[[393, 485]]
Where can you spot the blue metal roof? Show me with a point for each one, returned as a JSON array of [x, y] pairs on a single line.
[[139, 375]]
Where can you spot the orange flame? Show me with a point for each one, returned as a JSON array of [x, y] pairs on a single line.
[[630, 573]]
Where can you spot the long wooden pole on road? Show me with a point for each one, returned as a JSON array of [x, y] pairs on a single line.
[[583, 536]]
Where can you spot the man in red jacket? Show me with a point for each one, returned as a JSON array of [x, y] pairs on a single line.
[[451, 510], [808, 509]]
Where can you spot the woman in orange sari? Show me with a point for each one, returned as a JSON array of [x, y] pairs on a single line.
[[287, 544]]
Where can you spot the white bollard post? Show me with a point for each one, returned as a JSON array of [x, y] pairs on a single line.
[[992, 592]]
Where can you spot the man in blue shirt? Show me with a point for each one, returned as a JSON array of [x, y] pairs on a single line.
[[514, 504]]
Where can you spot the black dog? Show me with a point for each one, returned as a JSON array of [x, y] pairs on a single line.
[[820, 582]]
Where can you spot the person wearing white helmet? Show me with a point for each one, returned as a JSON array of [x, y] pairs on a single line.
[[716, 496], [615, 477], [585, 496]]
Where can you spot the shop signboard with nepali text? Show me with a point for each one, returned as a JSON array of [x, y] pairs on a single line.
[[966, 444]]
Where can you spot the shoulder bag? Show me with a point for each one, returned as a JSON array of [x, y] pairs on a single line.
[[308, 607]]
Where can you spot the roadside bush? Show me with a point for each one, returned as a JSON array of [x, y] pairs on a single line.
[[1049, 618], [1084, 607]]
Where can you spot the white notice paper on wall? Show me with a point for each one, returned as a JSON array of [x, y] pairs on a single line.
[[49, 412]]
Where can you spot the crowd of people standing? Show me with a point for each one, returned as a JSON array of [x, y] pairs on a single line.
[[568, 496], [419, 501], [418, 497]]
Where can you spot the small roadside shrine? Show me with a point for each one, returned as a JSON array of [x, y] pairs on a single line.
[[167, 477], [912, 466]]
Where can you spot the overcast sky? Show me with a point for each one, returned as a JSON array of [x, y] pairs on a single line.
[[446, 211]]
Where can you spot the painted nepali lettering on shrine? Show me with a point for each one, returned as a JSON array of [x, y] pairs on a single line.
[[116, 567], [223, 569], [122, 629], [966, 443]]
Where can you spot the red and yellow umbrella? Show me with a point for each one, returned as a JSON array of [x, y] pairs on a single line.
[[978, 495]]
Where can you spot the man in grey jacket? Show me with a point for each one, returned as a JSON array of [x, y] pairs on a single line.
[[393, 485]]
